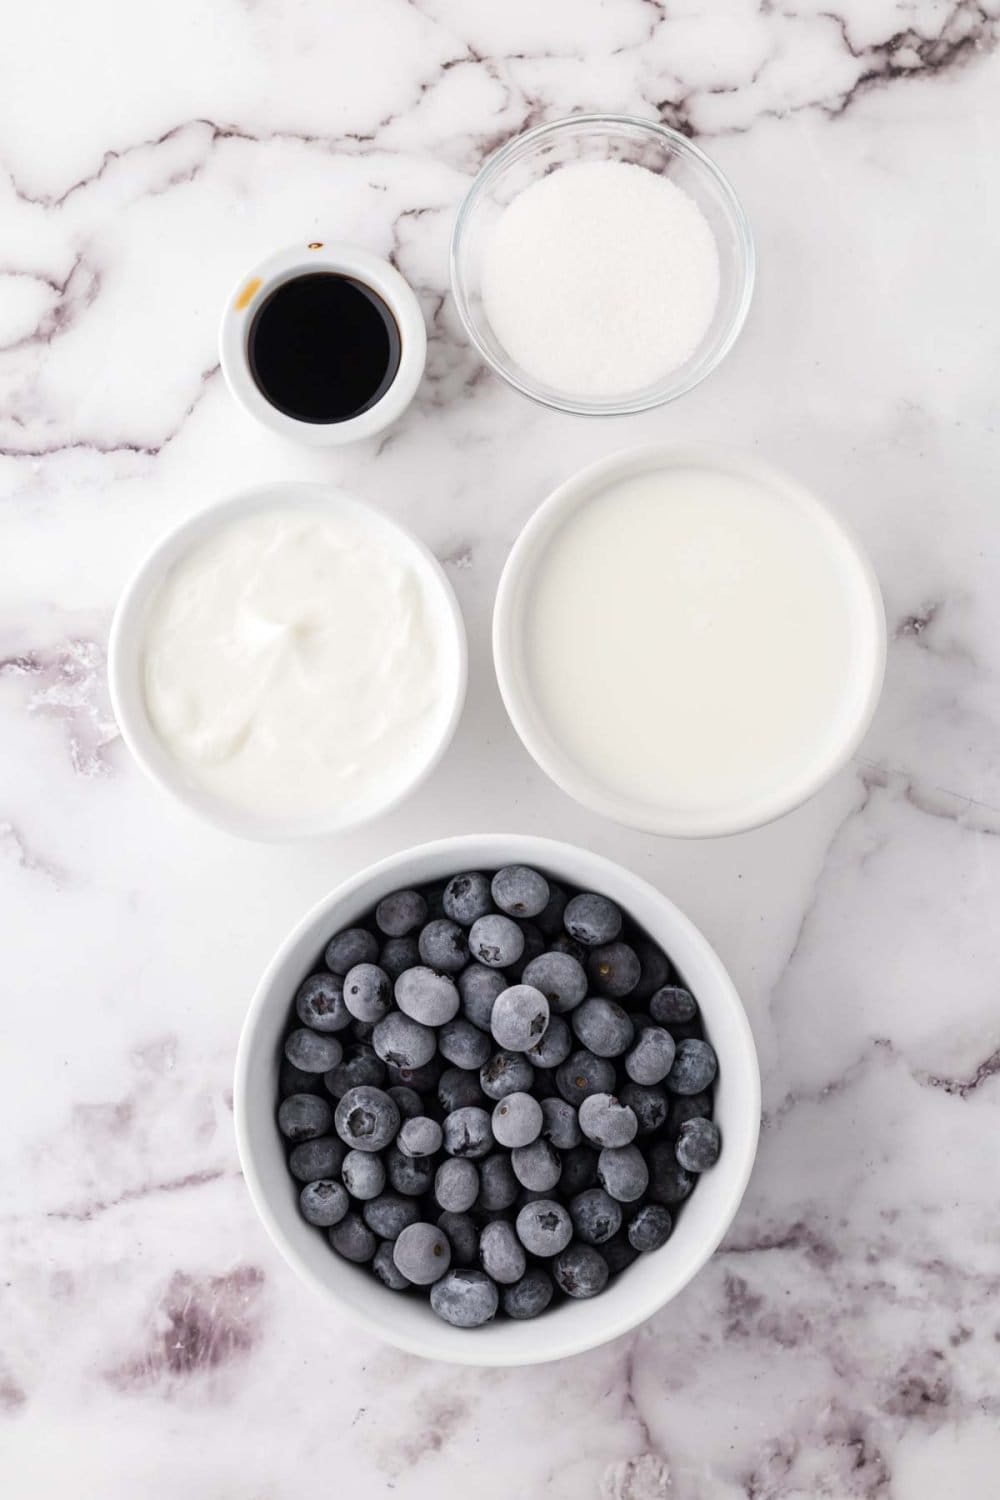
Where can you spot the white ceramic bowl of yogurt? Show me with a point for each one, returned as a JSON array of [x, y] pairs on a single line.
[[572, 1326], [687, 641], [288, 662]]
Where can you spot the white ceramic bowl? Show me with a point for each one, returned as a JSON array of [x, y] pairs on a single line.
[[256, 285], [125, 659], [511, 650], [572, 1326]]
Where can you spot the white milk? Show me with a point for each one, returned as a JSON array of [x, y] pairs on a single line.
[[293, 664], [691, 638]]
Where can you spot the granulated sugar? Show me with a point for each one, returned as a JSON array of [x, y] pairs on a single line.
[[601, 278]]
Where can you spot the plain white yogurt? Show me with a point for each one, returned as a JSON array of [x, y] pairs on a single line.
[[696, 640], [293, 663]]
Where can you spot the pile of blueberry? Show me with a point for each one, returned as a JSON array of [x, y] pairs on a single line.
[[496, 1089]]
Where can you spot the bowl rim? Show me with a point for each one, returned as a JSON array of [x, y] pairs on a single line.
[[486, 850], [551, 513], [125, 649], [680, 144]]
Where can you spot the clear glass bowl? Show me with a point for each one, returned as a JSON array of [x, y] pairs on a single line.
[[533, 155]]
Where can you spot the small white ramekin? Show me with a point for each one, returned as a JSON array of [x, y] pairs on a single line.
[[300, 260], [510, 648], [125, 659], [571, 1327]]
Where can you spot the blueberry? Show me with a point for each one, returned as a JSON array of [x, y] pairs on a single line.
[[592, 920], [389, 1214], [622, 1172], [688, 1107], [649, 1105], [386, 1270], [669, 1183], [671, 1004], [467, 898], [401, 1040], [467, 1132], [583, 1074], [420, 1136], [324, 1202], [534, 946], [554, 1047], [359, 1066], [537, 1166], [355, 946], [560, 1124], [427, 996], [506, 1073], [463, 1237], [423, 1078], [595, 1216], [443, 946], [363, 1174], [311, 1051], [695, 1067], [654, 970], [319, 1003], [520, 892], [650, 1227], [603, 1027], [292, 1080], [498, 1187], [605, 1121], [412, 1175], [652, 1055], [563, 943], [407, 1101], [550, 918], [579, 1170], [367, 992], [462, 1043], [478, 988], [302, 1117], [502, 1253], [496, 941], [697, 1145], [398, 955], [456, 1185], [400, 913], [457, 1088], [321, 1157], [529, 1296], [367, 1119], [614, 969], [544, 1227], [422, 1253], [561, 979], [618, 1252], [520, 1016], [465, 1298], [352, 1239], [580, 1270], [517, 1120]]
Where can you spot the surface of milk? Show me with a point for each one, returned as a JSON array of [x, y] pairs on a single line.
[[690, 639], [291, 663]]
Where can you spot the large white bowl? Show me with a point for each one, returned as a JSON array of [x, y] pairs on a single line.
[[571, 1327], [125, 659], [512, 647]]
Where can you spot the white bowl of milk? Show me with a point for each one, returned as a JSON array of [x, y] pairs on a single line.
[[687, 641], [288, 661]]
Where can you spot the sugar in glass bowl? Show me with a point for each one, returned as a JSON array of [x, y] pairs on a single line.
[[584, 138]]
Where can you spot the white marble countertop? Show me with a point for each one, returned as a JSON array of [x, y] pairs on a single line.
[[844, 1343]]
